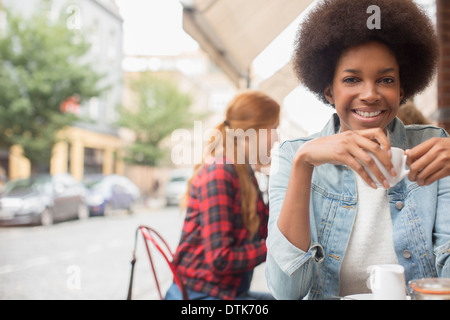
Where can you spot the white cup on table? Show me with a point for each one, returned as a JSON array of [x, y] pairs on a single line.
[[387, 282]]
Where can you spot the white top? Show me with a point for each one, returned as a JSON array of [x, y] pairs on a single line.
[[370, 241]]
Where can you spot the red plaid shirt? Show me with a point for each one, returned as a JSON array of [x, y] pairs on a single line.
[[215, 251]]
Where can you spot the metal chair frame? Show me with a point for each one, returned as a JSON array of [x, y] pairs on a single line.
[[150, 234]]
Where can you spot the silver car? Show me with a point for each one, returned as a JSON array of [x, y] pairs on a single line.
[[43, 199]]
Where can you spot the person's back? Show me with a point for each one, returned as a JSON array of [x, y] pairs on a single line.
[[225, 227]]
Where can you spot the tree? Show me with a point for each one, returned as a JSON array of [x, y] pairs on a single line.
[[159, 108], [42, 63]]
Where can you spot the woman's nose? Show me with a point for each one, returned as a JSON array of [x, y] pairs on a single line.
[[369, 93]]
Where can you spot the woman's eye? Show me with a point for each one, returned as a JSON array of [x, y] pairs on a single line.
[[350, 80], [387, 80]]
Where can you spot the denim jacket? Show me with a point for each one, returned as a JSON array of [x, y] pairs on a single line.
[[420, 219]]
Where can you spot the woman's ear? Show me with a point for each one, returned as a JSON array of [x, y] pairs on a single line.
[[402, 94], [328, 93]]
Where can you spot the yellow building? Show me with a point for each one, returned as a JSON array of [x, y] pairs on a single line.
[[81, 151]]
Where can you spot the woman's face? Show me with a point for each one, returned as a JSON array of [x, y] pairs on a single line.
[[366, 88]]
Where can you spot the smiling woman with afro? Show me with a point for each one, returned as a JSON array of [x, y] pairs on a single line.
[[334, 26], [338, 204]]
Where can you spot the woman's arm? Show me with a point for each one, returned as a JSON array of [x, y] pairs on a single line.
[[291, 255], [294, 216], [287, 267], [429, 162], [441, 231]]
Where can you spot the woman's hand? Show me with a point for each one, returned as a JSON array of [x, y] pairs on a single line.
[[350, 148], [429, 161]]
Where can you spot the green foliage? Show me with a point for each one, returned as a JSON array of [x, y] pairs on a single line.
[[42, 63], [159, 109]]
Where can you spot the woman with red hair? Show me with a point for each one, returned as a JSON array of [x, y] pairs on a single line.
[[225, 228]]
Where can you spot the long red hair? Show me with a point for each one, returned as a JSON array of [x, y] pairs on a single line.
[[249, 109]]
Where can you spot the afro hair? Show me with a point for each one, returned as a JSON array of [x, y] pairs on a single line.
[[333, 26]]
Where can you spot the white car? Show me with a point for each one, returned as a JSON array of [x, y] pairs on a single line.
[[177, 186]]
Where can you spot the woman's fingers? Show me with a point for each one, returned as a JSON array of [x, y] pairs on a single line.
[[378, 136], [361, 162], [429, 161], [365, 146], [356, 149], [376, 147]]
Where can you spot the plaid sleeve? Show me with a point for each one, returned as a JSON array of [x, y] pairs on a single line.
[[225, 238]]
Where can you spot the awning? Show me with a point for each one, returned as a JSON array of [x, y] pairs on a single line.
[[234, 32], [280, 84]]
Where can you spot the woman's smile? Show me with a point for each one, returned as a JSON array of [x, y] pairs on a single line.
[[368, 115]]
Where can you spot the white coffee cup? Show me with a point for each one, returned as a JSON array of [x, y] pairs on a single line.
[[387, 282], [399, 163]]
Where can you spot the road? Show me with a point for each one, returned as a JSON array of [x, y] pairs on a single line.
[[87, 259]]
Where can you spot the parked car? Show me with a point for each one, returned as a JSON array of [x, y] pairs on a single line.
[[110, 192], [43, 199], [177, 186]]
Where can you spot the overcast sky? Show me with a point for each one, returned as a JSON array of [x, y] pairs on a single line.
[[154, 27]]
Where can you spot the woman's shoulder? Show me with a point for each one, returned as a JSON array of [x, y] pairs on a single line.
[[291, 146], [219, 167], [417, 134], [426, 129]]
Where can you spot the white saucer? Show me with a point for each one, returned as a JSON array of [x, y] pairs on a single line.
[[363, 296]]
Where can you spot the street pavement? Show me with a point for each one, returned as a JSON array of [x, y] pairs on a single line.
[[89, 259]]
